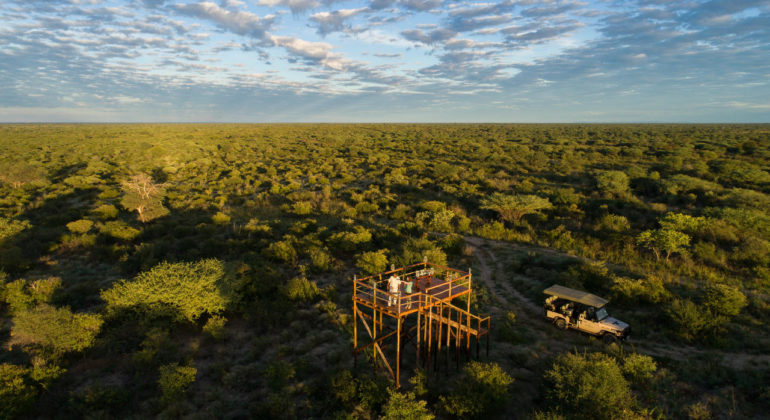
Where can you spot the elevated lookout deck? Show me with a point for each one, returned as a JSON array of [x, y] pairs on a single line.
[[431, 284], [438, 325]]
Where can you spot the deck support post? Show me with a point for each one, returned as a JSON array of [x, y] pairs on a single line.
[[355, 334], [419, 312], [398, 353], [440, 324]]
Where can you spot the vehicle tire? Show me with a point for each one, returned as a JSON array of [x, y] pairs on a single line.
[[609, 338], [560, 324]]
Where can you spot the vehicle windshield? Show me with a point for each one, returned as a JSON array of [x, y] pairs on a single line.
[[601, 314]]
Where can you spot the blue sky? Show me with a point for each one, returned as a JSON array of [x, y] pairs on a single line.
[[384, 61]]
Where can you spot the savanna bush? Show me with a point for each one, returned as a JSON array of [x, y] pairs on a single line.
[[20, 294], [724, 299], [688, 319], [174, 380], [282, 251], [589, 386], [120, 230], [649, 289], [53, 332], [405, 407], [184, 290], [302, 290], [372, 262], [80, 226], [17, 394], [612, 223], [481, 390], [220, 218], [106, 212]]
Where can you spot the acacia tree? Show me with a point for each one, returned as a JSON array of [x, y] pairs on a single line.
[[143, 195], [184, 290], [512, 208], [663, 240], [589, 386], [54, 331], [612, 182]]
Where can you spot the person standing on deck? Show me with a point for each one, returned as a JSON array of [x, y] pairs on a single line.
[[408, 291], [394, 287]]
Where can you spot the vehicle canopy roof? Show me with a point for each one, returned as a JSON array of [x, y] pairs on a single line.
[[575, 296]]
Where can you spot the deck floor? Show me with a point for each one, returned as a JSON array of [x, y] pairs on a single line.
[[439, 289]]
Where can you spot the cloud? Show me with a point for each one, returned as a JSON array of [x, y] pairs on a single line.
[[429, 38], [296, 6], [329, 22], [482, 9], [529, 36], [415, 5], [550, 10], [463, 24], [420, 5], [747, 105], [381, 4], [315, 51], [239, 22]]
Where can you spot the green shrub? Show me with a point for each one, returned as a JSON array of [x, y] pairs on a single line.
[[120, 230], [320, 260], [54, 331], [481, 390], [405, 407], [16, 393], [493, 230], [639, 368], [372, 262], [349, 241], [302, 208], [438, 221], [723, 299], [663, 241], [106, 212], [612, 223], [187, 289], [21, 295], [278, 375], [220, 218], [44, 372], [589, 386], [649, 289], [174, 380], [80, 226], [373, 392], [283, 251], [343, 387], [687, 318], [215, 327], [511, 208], [613, 183], [9, 228], [302, 290]]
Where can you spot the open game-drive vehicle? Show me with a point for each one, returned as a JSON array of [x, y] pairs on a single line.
[[570, 308]]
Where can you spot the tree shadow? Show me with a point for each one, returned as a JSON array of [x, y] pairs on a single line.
[[48, 223]]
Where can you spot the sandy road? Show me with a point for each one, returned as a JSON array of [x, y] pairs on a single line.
[[506, 298]]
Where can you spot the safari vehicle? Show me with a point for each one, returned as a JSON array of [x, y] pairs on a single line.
[[570, 308]]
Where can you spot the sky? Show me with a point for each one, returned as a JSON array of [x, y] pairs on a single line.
[[384, 61]]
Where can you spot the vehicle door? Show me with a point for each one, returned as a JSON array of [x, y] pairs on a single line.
[[587, 322]]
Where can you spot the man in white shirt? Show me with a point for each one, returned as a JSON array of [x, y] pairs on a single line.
[[394, 287]]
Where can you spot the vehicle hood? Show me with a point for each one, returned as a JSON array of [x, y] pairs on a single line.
[[614, 323]]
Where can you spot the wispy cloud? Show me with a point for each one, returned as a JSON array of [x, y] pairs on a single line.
[[564, 59]]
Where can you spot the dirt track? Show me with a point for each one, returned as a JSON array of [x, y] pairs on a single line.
[[505, 297]]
